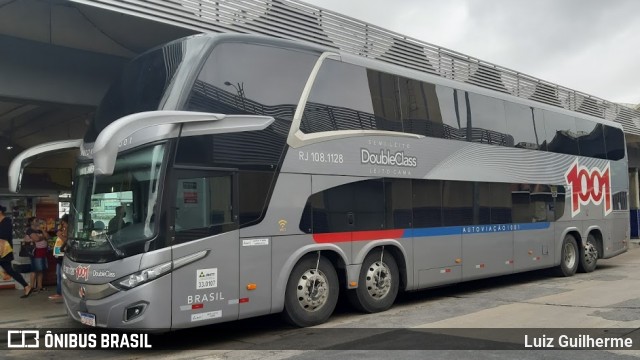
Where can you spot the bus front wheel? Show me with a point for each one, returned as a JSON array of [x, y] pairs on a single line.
[[588, 255], [378, 283], [569, 255], [312, 292]]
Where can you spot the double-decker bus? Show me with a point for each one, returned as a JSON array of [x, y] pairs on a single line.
[[229, 176]]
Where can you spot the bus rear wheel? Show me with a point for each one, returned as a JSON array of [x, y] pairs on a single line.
[[588, 255], [378, 283], [568, 257], [312, 292]]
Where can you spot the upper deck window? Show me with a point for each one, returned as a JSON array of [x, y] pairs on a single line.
[[241, 78], [141, 87], [350, 97]]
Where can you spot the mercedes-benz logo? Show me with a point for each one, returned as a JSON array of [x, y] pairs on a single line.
[[82, 292]]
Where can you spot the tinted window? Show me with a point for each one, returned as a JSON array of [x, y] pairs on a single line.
[[482, 203], [368, 205], [558, 192], [526, 126], [591, 139], [620, 199], [253, 190], [398, 203], [431, 203], [561, 136], [614, 141], [457, 203], [251, 79], [543, 203], [247, 79], [329, 210], [427, 203], [350, 97], [500, 203], [522, 209], [487, 120], [454, 113], [386, 103], [203, 207], [420, 108], [473, 117], [351, 207], [140, 88]]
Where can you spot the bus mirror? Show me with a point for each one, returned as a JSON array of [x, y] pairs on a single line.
[[230, 123], [16, 168], [106, 146]]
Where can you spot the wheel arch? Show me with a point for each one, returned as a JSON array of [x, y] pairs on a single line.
[[571, 230], [331, 251], [597, 233], [397, 251]]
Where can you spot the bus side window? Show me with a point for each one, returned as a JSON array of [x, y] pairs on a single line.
[[521, 203], [203, 207]]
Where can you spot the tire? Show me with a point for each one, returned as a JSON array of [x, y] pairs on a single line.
[[378, 283], [568, 257], [588, 255], [304, 304]]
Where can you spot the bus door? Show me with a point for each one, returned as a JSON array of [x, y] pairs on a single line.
[[204, 230]]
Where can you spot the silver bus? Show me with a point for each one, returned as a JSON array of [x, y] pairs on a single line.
[[229, 176]]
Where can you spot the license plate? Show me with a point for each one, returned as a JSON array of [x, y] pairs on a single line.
[[87, 319]]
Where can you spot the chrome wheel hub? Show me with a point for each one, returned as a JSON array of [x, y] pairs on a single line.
[[590, 253], [378, 280], [569, 255], [312, 290]]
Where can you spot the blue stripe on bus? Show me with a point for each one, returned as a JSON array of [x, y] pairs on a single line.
[[474, 229]]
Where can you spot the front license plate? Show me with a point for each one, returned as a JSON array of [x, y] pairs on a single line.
[[88, 319]]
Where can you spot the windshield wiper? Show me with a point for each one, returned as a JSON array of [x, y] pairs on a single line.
[[119, 253]]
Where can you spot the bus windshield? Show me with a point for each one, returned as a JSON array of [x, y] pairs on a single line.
[[114, 216]]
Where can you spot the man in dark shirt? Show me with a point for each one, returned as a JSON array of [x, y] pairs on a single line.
[[117, 222]]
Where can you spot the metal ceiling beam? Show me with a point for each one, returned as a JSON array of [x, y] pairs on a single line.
[[297, 20]]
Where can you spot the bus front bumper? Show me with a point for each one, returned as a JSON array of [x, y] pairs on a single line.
[[146, 307]]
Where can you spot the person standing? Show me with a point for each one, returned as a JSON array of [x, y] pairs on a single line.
[[39, 258], [58, 253], [6, 251]]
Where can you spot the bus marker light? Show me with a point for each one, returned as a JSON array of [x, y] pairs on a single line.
[[443, 271], [509, 262], [243, 300], [197, 306], [353, 284], [458, 261], [252, 286], [530, 252], [480, 266], [536, 258]]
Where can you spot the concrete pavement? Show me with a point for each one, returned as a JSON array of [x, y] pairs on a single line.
[[35, 311]]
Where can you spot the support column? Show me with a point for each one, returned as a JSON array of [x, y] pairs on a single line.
[[634, 202]]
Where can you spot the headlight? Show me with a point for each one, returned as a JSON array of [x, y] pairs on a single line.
[[141, 277]]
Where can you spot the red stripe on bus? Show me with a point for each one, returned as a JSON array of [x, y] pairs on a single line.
[[358, 236], [332, 237], [379, 234]]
